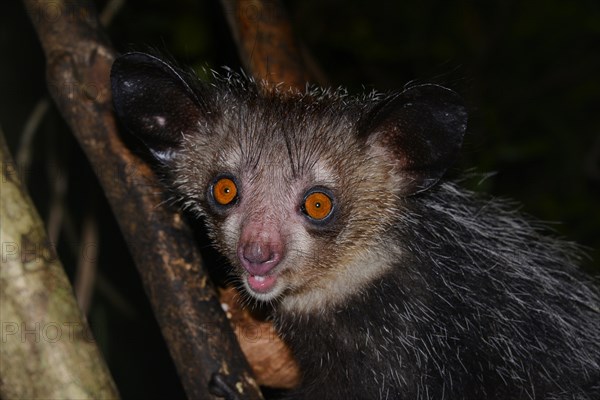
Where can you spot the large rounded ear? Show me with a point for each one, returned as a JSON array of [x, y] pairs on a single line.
[[153, 101], [421, 130]]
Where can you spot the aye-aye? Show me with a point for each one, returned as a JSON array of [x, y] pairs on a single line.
[[387, 281]]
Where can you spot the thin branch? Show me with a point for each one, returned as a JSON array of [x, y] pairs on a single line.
[[36, 117], [111, 9], [85, 275], [59, 183]]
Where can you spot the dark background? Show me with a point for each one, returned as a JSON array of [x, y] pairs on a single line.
[[529, 71]]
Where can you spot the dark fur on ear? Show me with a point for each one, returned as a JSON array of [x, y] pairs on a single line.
[[156, 102], [422, 129]]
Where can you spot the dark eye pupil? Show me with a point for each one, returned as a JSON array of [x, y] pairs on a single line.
[[317, 205], [227, 190]]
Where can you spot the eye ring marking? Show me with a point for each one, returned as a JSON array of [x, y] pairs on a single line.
[[317, 205], [224, 191]]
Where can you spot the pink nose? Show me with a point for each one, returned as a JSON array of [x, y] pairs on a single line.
[[258, 257]]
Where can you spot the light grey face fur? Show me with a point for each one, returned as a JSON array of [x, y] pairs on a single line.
[[275, 161], [363, 155], [405, 289]]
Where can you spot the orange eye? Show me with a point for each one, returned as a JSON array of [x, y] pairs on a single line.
[[317, 205], [224, 191]]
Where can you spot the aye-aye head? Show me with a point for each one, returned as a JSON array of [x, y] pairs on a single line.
[[297, 189]]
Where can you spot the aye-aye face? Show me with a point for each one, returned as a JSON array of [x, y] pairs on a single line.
[[298, 189]]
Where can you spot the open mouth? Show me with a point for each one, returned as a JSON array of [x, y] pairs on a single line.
[[261, 284]]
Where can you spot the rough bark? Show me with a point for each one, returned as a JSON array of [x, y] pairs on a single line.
[[265, 41], [46, 348], [184, 301]]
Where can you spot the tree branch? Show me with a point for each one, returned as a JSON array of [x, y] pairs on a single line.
[[47, 350], [265, 41], [183, 299]]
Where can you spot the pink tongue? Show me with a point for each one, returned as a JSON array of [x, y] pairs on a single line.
[[262, 285]]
